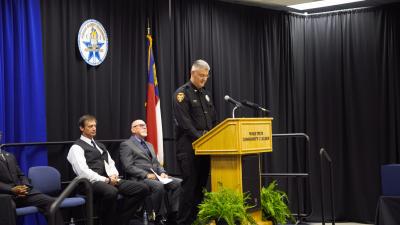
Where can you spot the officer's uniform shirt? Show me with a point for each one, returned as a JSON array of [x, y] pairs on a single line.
[[193, 110]]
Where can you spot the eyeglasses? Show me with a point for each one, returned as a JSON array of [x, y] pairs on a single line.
[[141, 125], [204, 76]]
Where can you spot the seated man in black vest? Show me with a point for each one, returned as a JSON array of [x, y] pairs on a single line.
[[140, 163], [90, 159], [14, 183]]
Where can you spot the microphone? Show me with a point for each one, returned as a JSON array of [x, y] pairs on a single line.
[[233, 101], [254, 105]]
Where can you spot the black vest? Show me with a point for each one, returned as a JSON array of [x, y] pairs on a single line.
[[94, 159]]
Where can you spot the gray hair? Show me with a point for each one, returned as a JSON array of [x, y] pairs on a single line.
[[200, 64]]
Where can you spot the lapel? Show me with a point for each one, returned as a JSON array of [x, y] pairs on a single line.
[[7, 164], [137, 149], [3, 163], [7, 158]]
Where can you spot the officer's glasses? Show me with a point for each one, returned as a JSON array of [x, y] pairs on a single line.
[[204, 76]]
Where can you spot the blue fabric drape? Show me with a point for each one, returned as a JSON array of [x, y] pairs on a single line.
[[22, 100], [22, 94]]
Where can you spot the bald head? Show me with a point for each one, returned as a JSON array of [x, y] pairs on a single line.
[[139, 128]]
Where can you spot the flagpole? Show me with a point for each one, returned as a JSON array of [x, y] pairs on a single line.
[[148, 26]]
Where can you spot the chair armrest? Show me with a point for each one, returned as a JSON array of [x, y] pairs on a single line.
[[67, 191]]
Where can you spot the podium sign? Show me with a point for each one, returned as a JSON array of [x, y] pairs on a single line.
[[236, 137]]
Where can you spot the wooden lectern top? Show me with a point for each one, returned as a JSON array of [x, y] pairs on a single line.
[[236, 136]]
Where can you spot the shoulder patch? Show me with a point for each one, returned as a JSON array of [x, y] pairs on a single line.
[[180, 96]]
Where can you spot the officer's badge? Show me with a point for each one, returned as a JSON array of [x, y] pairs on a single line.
[[207, 98], [180, 96]]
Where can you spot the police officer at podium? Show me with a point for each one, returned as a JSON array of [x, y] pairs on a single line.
[[194, 115]]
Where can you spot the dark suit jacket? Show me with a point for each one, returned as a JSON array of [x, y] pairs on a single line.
[[10, 174], [136, 163]]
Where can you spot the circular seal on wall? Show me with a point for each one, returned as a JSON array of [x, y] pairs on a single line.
[[92, 42]]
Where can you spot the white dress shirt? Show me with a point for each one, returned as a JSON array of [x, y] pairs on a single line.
[[76, 156]]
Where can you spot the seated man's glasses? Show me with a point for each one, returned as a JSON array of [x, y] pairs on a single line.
[[140, 125]]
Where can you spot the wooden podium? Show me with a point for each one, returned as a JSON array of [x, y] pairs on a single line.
[[228, 144]]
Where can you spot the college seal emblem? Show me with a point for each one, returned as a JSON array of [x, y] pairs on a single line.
[[92, 42]]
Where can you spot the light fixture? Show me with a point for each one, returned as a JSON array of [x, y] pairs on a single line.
[[320, 4]]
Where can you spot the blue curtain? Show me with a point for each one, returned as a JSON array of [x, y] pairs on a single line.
[[22, 94]]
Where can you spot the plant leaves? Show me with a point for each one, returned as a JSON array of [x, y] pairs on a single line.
[[274, 204]]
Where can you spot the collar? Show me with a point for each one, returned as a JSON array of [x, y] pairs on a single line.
[[136, 139], [87, 140], [195, 89]]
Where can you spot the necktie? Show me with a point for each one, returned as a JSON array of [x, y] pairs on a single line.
[[104, 154], [94, 144], [146, 149]]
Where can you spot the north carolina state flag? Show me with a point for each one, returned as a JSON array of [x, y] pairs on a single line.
[[153, 106]]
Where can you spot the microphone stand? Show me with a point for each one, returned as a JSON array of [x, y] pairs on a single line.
[[233, 110], [324, 154], [260, 113]]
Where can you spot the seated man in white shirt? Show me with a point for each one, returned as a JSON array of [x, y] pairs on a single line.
[[91, 160]]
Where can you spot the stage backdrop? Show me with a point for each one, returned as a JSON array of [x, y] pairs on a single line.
[[332, 76], [22, 87]]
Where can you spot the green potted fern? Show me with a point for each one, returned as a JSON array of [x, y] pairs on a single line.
[[274, 205], [224, 206]]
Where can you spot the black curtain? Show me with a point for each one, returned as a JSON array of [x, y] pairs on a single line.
[[332, 76], [345, 62]]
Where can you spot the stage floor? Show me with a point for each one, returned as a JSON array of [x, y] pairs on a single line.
[[341, 223]]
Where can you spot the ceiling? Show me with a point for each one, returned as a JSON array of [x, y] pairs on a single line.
[[281, 4]]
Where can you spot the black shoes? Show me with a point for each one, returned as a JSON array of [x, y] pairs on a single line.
[[160, 220]]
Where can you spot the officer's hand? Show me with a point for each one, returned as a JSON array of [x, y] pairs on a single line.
[[163, 175]]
